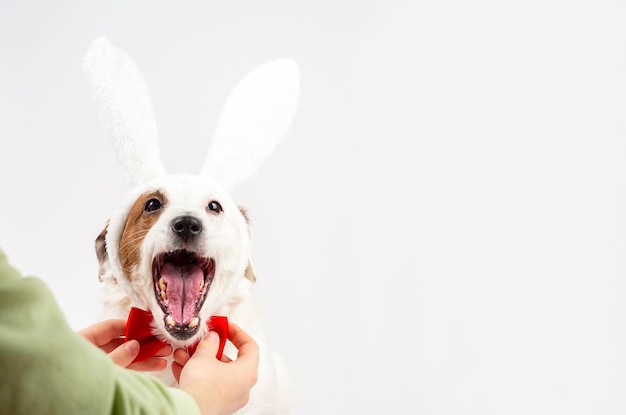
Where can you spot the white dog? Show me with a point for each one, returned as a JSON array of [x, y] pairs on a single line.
[[178, 247]]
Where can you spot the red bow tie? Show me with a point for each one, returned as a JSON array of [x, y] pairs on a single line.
[[139, 327]]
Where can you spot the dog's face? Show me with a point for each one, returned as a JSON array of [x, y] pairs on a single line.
[[182, 249]]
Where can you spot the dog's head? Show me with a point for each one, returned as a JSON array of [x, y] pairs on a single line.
[[178, 245], [179, 249]]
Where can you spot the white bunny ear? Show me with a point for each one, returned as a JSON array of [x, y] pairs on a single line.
[[125, 109], [255, 119]]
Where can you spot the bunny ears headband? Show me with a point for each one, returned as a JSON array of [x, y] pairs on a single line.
[[254, 120]]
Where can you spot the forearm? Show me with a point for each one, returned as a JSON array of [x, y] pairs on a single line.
[[47, 368]]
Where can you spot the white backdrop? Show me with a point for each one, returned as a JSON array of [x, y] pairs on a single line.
[[442, 232]]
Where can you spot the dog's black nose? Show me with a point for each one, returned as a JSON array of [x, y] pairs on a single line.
[[186, 226]]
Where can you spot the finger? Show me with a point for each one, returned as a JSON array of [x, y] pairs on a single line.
[[125, 354], [181, 356], [165, 351], [150, 365], [112, 345], [103, 332], [248, 352], [176, 370], [226, 359], [208, 346], [248, 348]]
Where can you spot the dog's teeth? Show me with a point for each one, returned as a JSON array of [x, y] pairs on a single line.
[[162, 289], [194, 322], [170, 321], [201, 285]]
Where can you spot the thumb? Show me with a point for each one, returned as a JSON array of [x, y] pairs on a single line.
[[207, 348], [125, 353]]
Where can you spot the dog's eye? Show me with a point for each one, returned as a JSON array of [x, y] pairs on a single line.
[[152, 205], [215, 207]]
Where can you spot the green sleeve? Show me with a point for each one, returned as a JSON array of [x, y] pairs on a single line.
[[46, 368]]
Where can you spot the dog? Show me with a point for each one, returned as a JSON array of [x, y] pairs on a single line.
[[178, 246], [185, 250]]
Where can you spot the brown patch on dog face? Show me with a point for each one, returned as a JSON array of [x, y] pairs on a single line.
[[249, 273], [142, 215], [244, 212]]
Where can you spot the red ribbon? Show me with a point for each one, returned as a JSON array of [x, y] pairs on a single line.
[[139, 327]]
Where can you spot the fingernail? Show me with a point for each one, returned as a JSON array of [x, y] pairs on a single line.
[[132, 346]]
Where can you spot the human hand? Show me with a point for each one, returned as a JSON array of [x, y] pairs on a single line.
[[218, 387], [108, 335]]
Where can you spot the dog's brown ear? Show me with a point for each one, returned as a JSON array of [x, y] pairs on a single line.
[[102, 254], [249, 274]]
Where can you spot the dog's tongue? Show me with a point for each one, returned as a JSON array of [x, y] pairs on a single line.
[[183, 286]]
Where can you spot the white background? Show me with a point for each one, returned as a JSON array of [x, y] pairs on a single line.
[[442, 232]]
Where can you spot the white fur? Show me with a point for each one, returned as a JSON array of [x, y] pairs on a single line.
[[255, 119], [125, 109]]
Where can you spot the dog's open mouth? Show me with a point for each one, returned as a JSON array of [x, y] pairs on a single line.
[[181, 283]]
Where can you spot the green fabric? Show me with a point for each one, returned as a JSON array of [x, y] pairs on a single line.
[[46, 368]]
